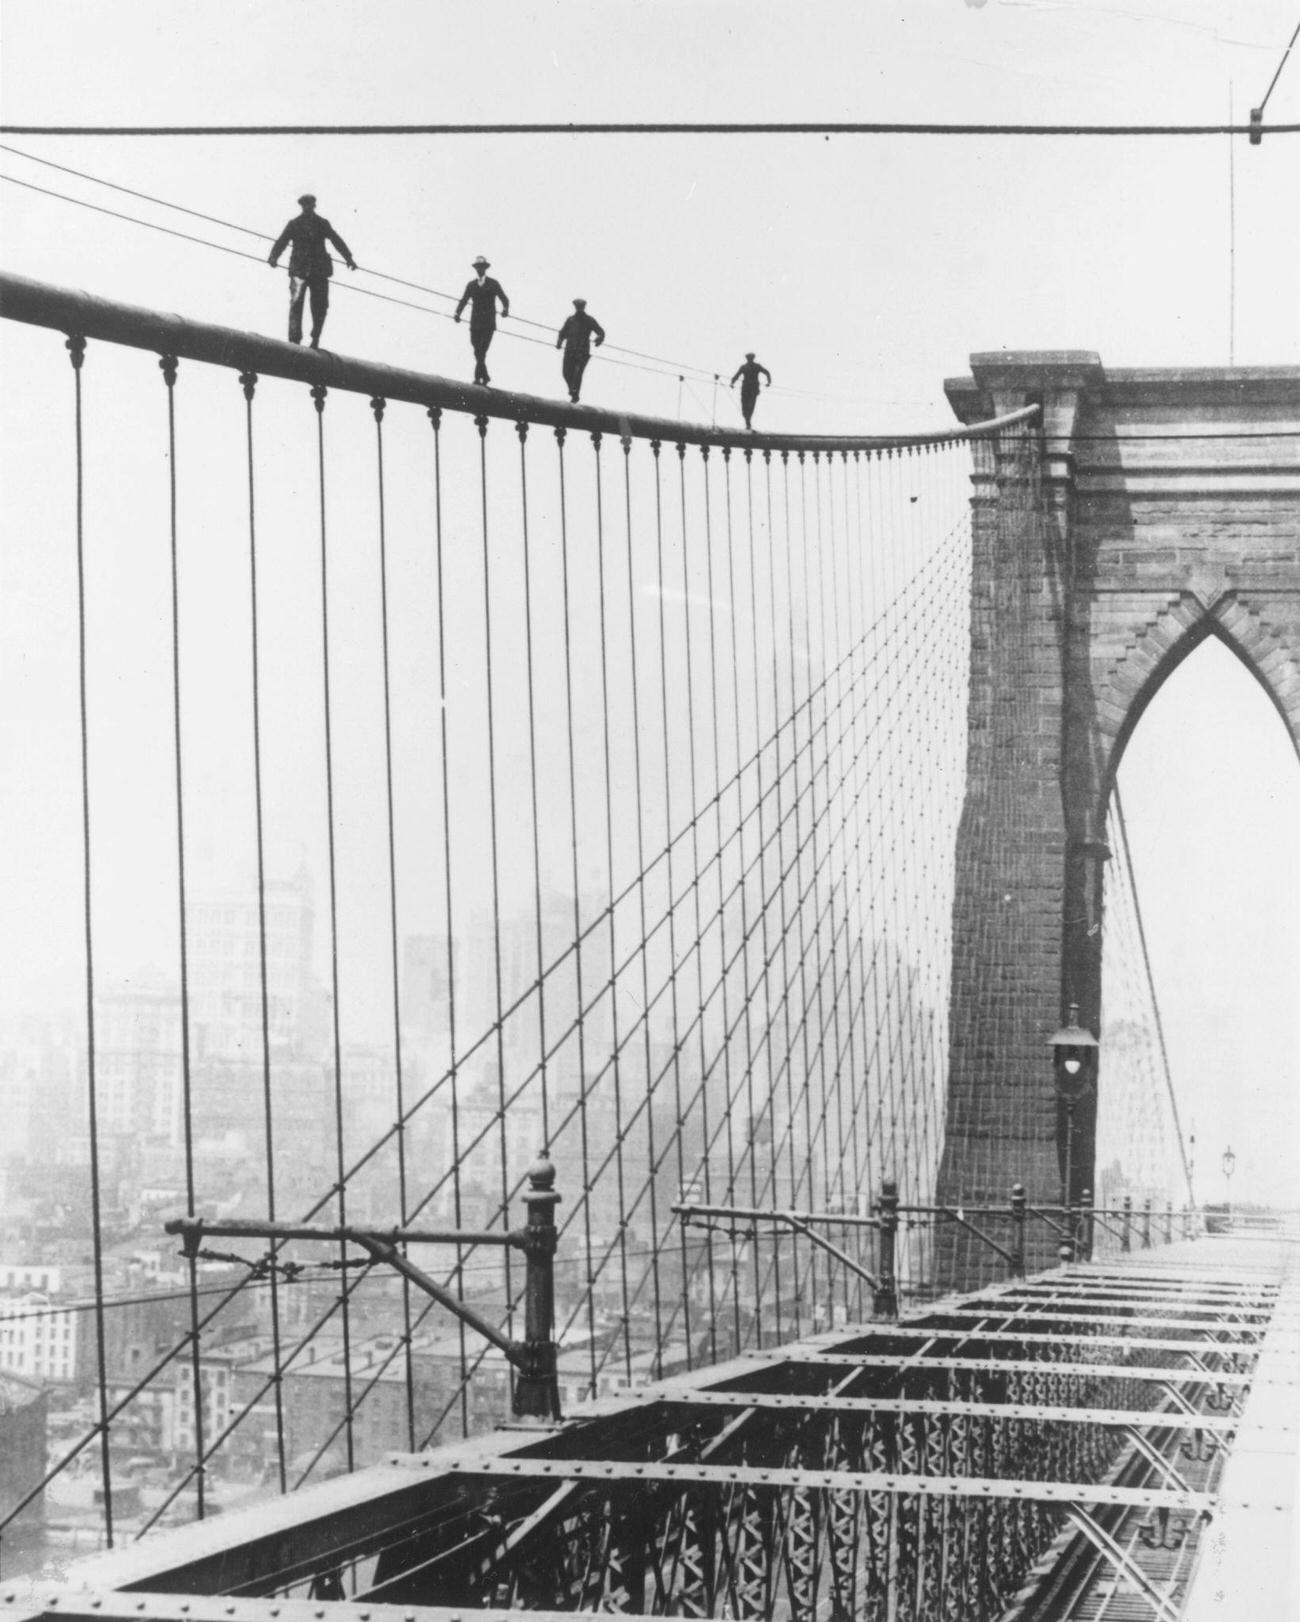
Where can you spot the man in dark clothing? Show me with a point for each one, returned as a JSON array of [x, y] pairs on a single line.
[[310, 266], [482, 295], [749, 375], [575, 336]]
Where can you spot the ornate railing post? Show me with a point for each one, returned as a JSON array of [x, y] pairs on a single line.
[[537, 1387], [1169, 1222], [1068, 1250], [1146, 1223], [1083, 1251], [1019, 1200], [1126, 1225], [885, 1300]]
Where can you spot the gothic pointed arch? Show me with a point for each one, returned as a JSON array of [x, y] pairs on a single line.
[[1269, 651], [1166, 509]]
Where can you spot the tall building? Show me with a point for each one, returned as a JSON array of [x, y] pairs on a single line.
[[38, 1337], [139, 1049], [138, 1058], [225, 972]]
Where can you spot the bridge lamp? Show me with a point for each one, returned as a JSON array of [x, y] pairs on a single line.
[[1073, 1048], [1074, 1055], [1229, 1165]]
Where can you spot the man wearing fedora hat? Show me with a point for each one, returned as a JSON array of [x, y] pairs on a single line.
[[481, 295], [575, 338], [310, 266]]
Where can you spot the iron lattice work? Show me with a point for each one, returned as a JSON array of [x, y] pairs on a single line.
[[1027, 1451], [476, 774]]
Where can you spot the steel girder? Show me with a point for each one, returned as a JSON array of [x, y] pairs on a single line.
[[863, 1473]]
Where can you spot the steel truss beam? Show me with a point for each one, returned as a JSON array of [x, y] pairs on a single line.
[[496, 1469], [113, 1605], [1102, 1320], [1152, 1290], [1134, 1283], [1033, 1337], [1014, 1365], [1155, 1418], [839, 1507]]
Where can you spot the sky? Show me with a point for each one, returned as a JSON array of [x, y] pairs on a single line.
[[863, 271]]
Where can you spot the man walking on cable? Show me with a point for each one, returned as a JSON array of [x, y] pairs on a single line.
[[749, 375], [482, 295], [575, 337], [310, 266]]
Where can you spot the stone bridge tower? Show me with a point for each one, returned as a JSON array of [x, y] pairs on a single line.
[[1166, 508]]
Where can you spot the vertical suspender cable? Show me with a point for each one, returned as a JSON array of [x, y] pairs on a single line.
[[777, 729], [318, 394], [77, 351], [846, 1049], [856, 942], [167, 365], [837, 876], [692, 802], [560, 435], [796, 875], [728, 1101], [481, 423], [619, 1128], [638, 790], [248, 382], [755, 1113], [814, 1119], [879, 600], [673, 1005], [435, 418], [377, 407], [674, 959], [743, 886], [521, 428], [702, 930]]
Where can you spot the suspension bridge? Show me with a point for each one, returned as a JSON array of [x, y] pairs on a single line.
[[627, 1068]]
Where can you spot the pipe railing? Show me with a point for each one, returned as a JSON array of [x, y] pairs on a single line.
[[1075, 1224], [534, 1357]]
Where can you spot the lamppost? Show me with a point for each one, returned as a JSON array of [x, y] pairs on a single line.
[[1229, 1164], [1074, 1063]]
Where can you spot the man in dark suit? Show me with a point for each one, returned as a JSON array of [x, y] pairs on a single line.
[[482, 295], [575, 337], [749, 375], [310, 266]]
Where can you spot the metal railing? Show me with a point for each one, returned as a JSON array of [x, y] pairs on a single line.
[[685, 929]]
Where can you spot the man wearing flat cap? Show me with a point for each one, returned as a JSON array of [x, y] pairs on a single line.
[[310, 266], [749, 373], [481, 295], [575, 339]]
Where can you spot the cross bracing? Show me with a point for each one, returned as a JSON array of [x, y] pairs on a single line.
[[622, 759], [817, 1484]]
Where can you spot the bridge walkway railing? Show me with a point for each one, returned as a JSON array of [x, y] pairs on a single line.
[[1016, 1451]]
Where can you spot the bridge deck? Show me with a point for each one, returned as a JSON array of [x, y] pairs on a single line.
[[1139, 1465]]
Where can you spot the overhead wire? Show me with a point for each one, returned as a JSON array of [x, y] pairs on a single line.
[[666, 127], [610, 351], [262, 236], [1278, 74], [238, 253]]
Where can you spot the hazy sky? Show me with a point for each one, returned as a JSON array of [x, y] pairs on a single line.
[[863, 271]]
